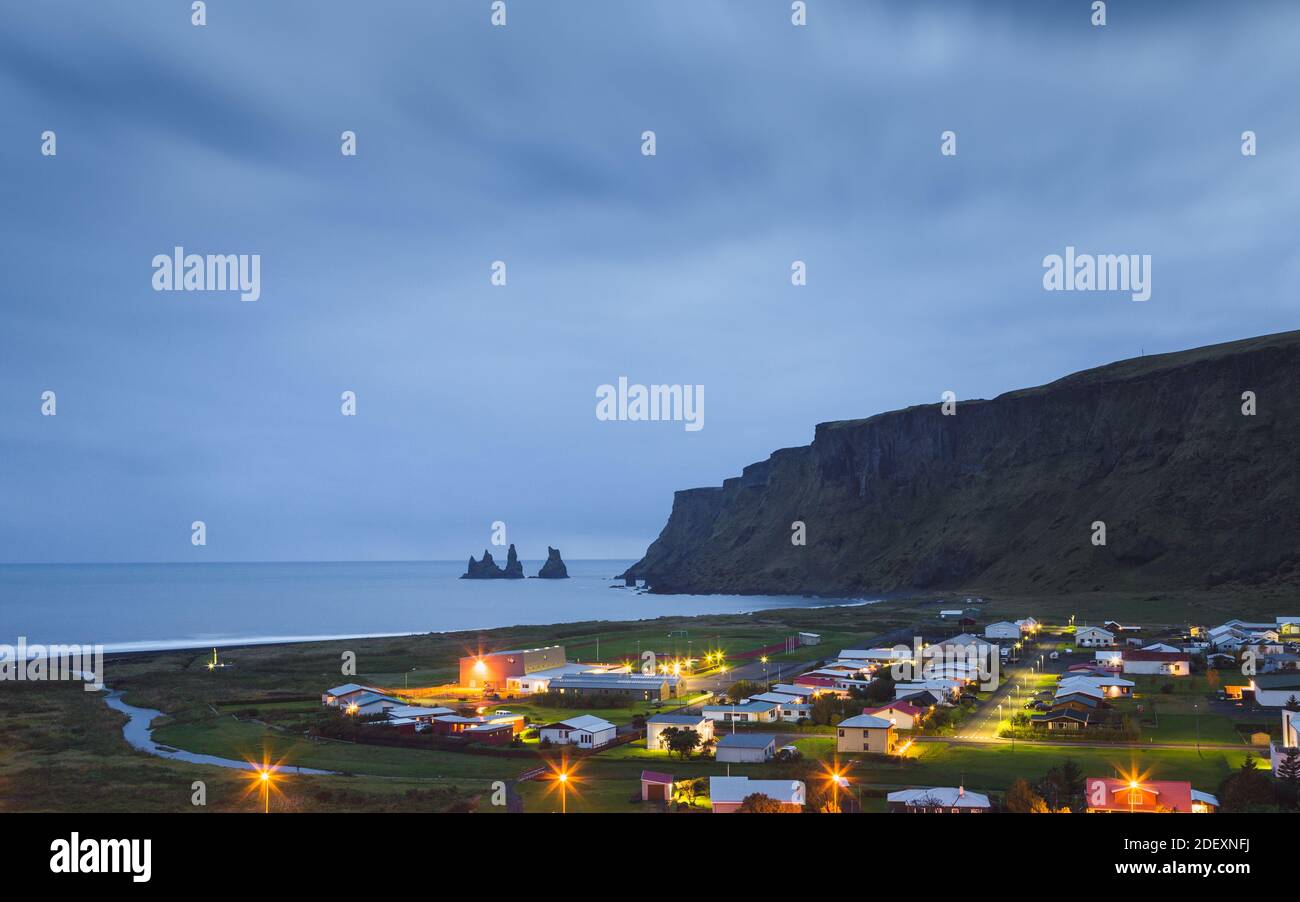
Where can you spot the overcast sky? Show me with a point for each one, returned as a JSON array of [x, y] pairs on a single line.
[[475, 143]]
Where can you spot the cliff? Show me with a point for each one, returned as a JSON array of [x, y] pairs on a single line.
[[487, 568], [1002, 496]]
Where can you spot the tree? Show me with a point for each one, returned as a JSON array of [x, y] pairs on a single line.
[[882, 687], [1249, 789], [825, 708], [683, 742], [1021, 799], [746, 688], [1289, 768], [1292, 704], [1063, 787], [757, 803]]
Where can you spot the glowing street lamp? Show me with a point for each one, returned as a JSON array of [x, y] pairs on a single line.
[[837, 777], [263, 781]]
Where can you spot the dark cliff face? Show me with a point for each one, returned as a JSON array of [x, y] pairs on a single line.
[[1002, 495], [488, 569]]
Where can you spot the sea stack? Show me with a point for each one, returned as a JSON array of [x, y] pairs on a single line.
[[484, 569], [554, 567], [514, 569]]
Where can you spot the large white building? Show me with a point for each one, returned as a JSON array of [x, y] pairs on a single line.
[[1093, 637], [585, 731], [1003, 629], [656, 724]]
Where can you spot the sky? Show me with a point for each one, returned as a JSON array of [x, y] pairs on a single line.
[[523, 143]]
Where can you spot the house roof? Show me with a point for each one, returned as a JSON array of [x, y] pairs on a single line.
[[1064, 714], [746, 705], [589, 722], [654, 776], [689, 719], [735, 789], [1138, 654], [1277, 681], [865, 722], [612, 681], [414, 711], [901, 707], [746, 741], [780, 698], [941, 797], [347, 688]]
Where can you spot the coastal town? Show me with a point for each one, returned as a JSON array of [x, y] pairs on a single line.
[[1122, 716]]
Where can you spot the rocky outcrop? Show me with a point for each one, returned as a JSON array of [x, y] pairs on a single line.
[[1004, 495], [514, 569], [554, 567], [488, 569]]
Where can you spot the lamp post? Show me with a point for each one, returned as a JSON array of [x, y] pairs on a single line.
[[563, 777]]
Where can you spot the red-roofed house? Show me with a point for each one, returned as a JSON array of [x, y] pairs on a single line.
[[1159, 663], [902, 715], [815, 682], [1106, 794]]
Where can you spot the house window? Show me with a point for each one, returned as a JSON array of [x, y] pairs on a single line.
[[841, 734]]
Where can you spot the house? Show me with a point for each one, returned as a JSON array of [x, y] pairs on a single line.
[[865, 733], [1085, 689], [902, 715], [779, 698], [656, 787], [748, 711], [943, 690], [1107, 794], [795, 712], [643, 687], [1003, 629], [1064, 718], [805, 693], [540, 680], [342, 696], [1076, 701], [1093, 637], [488, 733], [938, 800], [1029, 625], [810, 639], [1288, 627], [656, 724], [879, 655], [950, 614], [585, 731], [1272, 690], [726, 793], [418, 713], [368, 704], [1290, 739], [1108, 686], [745, 748], [1111, 657], [490, 672], [1158, 663]]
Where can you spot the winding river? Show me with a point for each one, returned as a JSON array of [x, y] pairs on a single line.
[[137, 731]]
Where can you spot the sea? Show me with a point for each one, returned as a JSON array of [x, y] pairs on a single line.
[[136, 607]]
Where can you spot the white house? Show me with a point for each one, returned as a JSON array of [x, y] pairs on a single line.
[[804, 692], [1272, 690], [1029, 625], [810, 638], [745, 748], [1160, 646], [1110, 657], [1003, 629], [586, 732], [943, 689], [1093, 637], [748, 711], [341, 696], [726, 793], [950, 799], [1157, 663], [656, 724], [1107, 686]]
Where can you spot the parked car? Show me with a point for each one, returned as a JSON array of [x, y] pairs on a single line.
[[788, 753], [503, 711], [1054, 655]]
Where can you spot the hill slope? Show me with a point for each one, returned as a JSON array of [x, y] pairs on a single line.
[[1002, 495]]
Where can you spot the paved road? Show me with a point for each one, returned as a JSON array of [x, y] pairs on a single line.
[[752, 670], [1066, 743]]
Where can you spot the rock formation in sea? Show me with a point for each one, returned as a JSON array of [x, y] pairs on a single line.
[[488, 569], [1188, 459], [514, 569], [554, 567]]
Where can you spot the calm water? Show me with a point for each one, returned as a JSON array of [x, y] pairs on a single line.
[[138, 606]]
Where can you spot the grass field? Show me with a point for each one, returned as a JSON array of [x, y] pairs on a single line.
[[62, 749]]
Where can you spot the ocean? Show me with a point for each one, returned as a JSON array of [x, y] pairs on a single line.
[[128, 607]]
